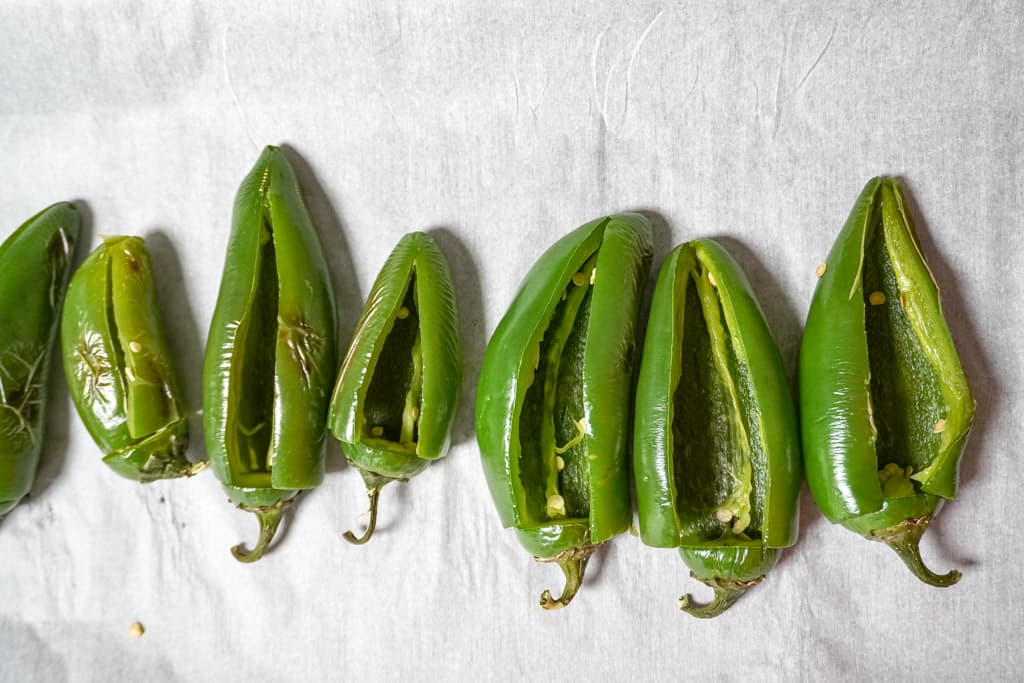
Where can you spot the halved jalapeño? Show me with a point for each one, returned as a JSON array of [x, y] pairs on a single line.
[[118, 367], [885, 404], [397, 392], [271, 356], [716, 451], [553, 404]]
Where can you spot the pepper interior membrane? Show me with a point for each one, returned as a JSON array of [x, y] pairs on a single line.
[[907, 402], [553, 459], [717, 452], [248, 441], [392, 402]]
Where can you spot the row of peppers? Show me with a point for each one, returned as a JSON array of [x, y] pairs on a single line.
[[708, 414], [885, 408], [270, 364]]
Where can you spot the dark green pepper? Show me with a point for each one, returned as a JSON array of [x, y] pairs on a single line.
[[398, 389], [716, 444], [884, 403], [271, 353], [553, 402], [118, 368], [35, 263]]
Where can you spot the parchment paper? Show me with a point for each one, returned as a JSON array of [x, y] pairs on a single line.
[[501, 126]]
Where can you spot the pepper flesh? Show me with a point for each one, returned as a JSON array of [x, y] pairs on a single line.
[[716, 455], [271, 355], [553, 400], [118, 368], [885, 405], [35, 264], [397, 392]]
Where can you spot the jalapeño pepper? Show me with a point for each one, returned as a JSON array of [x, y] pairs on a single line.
[[271, 353], [884, 403], [398, 388], [118, 368], [716, 449], [35, 263], [553, 402]]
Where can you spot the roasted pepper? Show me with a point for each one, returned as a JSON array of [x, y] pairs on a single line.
[[35, 263], [716, 446], [884, 403], [271, 352], [553, 402], [118, 368], [398, 388]]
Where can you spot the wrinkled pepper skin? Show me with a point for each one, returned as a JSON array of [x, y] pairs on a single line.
[[35, 264], [716, 451], [398, 389], [885, 405], [118, 367], [559, 369], [271, 354]]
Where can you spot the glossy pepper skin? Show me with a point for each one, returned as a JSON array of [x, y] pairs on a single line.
[[398, 389], [118, 368], [884, 403], [716, 451], [554, 398], [271, 353], [35, 263]]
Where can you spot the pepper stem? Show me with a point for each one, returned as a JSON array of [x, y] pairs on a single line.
[[374, 496], [727, 591], [573, 563], [374, 483], [269, 517], [905, 539]]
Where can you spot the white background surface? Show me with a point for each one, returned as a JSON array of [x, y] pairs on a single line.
[[503, 128]]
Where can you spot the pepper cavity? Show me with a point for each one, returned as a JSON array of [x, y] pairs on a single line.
[[553, 401], [118, 368], [716, 451], [885, 405]]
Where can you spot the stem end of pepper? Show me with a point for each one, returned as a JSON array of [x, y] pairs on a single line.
[[374, 483], [573, 563], [374, 495], [270, 518], [727, 592], [905, 539]]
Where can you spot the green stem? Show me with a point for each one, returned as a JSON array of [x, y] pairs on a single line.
[[374, 483], [905, 539], [269, 517], [573, 563], [374, 495], [727, 591]]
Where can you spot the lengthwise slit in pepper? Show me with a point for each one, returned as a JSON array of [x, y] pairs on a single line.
[[271, 355], [397, 392], [716, 451], [118, 367], [553, 402], [35, 264], [884, 403]]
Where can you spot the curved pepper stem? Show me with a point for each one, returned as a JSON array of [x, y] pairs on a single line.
[[905, 539], [270, 518], [374, 483], [727, 591], [573, 563], [374, 496]]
